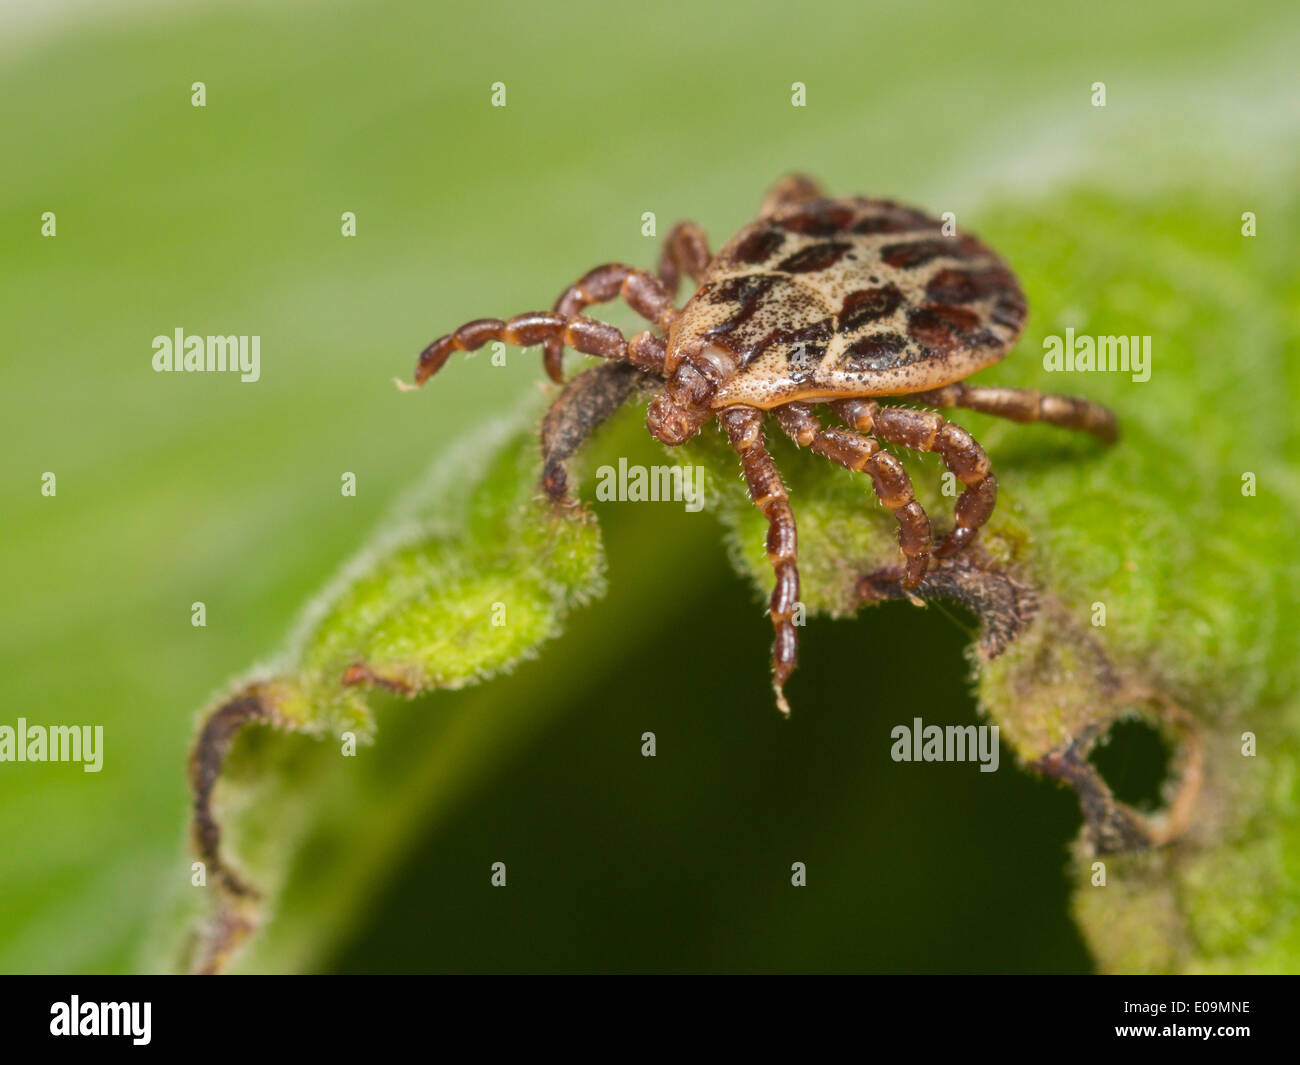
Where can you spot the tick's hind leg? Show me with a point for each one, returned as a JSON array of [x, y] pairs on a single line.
[[923, 430], [744, 428], [1028, 405], [587, 400], [893, 487], [640, 290]]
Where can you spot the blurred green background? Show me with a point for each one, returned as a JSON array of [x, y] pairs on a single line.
[[174, 488]]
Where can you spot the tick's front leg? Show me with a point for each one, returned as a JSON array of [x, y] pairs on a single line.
[[685, 248], [586, 402], [790, 191], [639, 289], [744, 428], [523, 330]]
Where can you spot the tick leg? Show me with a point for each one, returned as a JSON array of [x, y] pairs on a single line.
[[536, 327], [1027, 405], [893, 487], [744, 428], [790, 191], [685, 248], [640, 290], [923, 430], [587, 400]]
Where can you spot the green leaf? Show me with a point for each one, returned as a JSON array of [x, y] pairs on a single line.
[[476, 571]]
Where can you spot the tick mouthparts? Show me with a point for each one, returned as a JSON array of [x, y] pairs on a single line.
[[403, 386], [672, 424]]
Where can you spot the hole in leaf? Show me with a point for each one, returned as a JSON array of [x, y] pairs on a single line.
[[1134, 759]]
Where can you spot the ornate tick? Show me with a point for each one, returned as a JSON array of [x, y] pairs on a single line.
[[835, 301]]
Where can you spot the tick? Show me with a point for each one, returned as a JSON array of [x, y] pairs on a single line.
[[819, 301]]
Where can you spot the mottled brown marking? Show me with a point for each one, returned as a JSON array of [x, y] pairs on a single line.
[[743, 294], [940, 328], [869, 305], [908, 255], [760, 245], [822, 220], [878, 351], [816, 257], [804, 347], [964, 286], [883, 224]]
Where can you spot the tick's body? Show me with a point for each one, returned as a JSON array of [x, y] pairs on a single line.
[[838, 298], [818, 301]]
